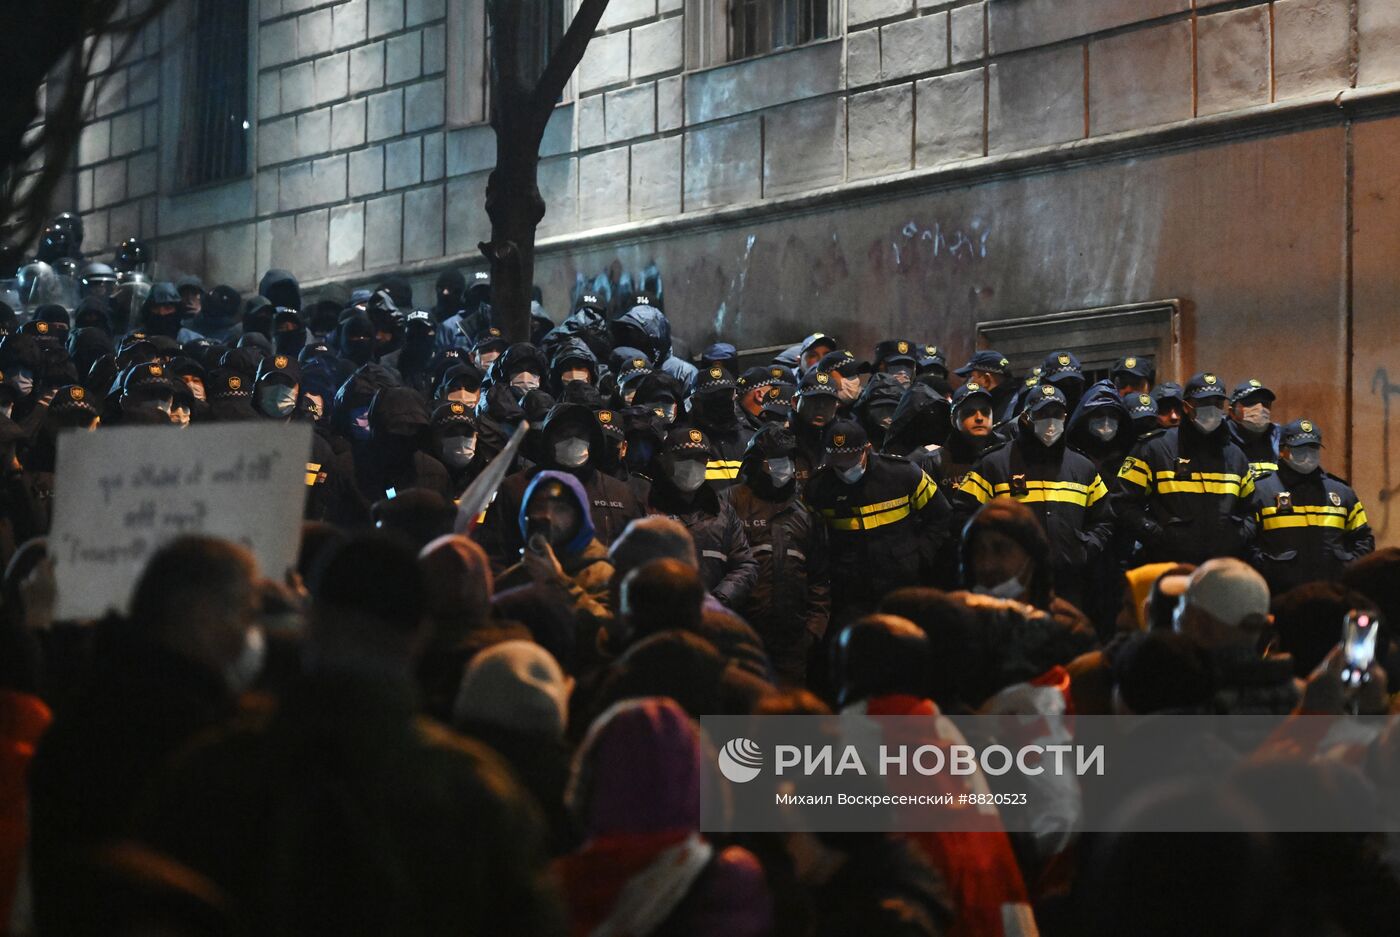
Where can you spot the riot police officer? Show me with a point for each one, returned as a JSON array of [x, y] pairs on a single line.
[[1311, 524], [1251, 426], [712, 408], [991, 371]]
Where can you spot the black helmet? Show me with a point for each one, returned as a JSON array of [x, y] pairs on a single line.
[[97, 276], [131, 256]]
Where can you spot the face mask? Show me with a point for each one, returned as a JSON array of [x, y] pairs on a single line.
[[574, 374], [780, 471], [242, 672], [458, 451], [484, 359], [688, 474], [359, 424], [1009, 589], [849, 389], [1255, 418], [1103, 427], [524, 382], [180, 416], [22, 381], [1304, 460], [279, 401], [571, 453], [1208, 419], [197, 389], [851, 475], [1049, 430]]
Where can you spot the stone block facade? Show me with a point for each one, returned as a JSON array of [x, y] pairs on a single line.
[[353, 132]]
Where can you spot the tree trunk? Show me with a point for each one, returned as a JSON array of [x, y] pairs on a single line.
[[524, 91]]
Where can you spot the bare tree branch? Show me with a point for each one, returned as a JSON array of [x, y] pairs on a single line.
[[565, 58]]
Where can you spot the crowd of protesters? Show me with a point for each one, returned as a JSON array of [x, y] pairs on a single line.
[[486, 724]]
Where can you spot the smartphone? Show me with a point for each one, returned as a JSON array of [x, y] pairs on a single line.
[[1358, 645]]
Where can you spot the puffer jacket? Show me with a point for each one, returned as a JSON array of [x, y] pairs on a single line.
[[791, 598], [727, 565]]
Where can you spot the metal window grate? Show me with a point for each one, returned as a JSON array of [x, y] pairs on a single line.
[[214, 144], [760, 26]]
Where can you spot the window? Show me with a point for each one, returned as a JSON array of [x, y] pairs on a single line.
[[720, 31], [215, 118], [469, 52], [1099, 337]]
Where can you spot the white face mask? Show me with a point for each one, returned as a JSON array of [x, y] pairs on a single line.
[[1050, 429], [242, 672], [197, 389], [458, 451], [1208, 419], [22, 382], [851, 475], [1255, 418], [571, 453], [1303, 460], [780, 471], [849, 389], [484, 359], [278, 401], [524, 382], [1008, 589], [574, 374], [688, 474], [1103, 427]]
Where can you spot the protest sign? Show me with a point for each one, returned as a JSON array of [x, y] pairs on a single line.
[[120, 493]]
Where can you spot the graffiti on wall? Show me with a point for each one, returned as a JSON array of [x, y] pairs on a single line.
[[917, 243], [618, 288], [1381, 385]]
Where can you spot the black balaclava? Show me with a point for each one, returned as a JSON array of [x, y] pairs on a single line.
[[449, 294]]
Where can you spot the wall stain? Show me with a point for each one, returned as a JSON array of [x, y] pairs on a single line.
[[1381, 385]]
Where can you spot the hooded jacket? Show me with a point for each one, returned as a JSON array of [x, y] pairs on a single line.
[[1107, 456], [583, 559], [651, 323], [586, 325], [498, 413], [393, 458], [280, 288], [1061, 488], [727, 566], [612, 504], [1186, 496], [790, 602], [922, 420], [571, 349]]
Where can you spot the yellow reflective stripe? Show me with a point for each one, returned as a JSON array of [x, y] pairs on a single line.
[[1247, 487], [1201, 488], [1136, 472], [1357, 519], [1307, 509], [1038, 493], [1205, 476], [924, 493], [976, 486], [1304, 520], [1097, 491], [721, 470], [1263, 468], [313, 473], [868, 520]]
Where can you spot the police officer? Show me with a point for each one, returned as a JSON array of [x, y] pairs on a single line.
[[791, 599], [1133, 375], [751, 390], [1251, 427], [712, 409], [1311, 523], [454, 443], [1142, 411], [895, 357], [1062, 369], [933, 367], [630, 365], [885, 520], [678, 490], [1171, 403], [972, 433], [277, 388], [1061, 486], [845, 369], [815, 347], [816, 410], [991, 371], [1186, 494]]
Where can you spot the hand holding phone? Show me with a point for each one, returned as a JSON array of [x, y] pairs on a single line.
[[1359, 631]]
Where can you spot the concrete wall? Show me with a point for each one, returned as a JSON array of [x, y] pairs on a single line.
[[939, 164]]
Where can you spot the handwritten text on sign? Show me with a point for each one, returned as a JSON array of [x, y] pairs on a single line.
[[120, 493]]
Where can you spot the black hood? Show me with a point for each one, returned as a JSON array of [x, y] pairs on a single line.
[[280, 288], [585, 324], [519, 357], [648, 324], [87, 345], [573, 349], [570, 419], [923, 417], [400, 411]]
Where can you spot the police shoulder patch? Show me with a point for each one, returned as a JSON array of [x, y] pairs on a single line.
[[1335, 498]]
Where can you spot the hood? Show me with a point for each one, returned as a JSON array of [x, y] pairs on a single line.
[[638, 770], [399, 411], [581, 500], [87, 345], [566, 416], [521, 356], [587, 325], [571, 349], [659, 384], [1100, 397], [498, 403], [922, 417], [651, 323], [1097, 397], [1012, 519], [280, 288], [359, 390]]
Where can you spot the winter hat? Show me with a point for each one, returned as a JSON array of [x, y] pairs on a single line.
[[651, 538], [516, 685], [1228, 590]]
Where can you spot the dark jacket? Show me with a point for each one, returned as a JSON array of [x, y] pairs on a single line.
[[882, 532], [727, 566], [1261, 449], [1062, 489], [652, 324], [884, 887], [498, 413], [791, 598], [1310, 527], [1186, 496], [398, 422], [1106, 456], [571, 349]]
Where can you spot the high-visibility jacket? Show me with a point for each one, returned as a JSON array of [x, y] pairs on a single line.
[[1061, 487], [882, 531], [1309, 527], [1186, 496], [1261, 450]]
